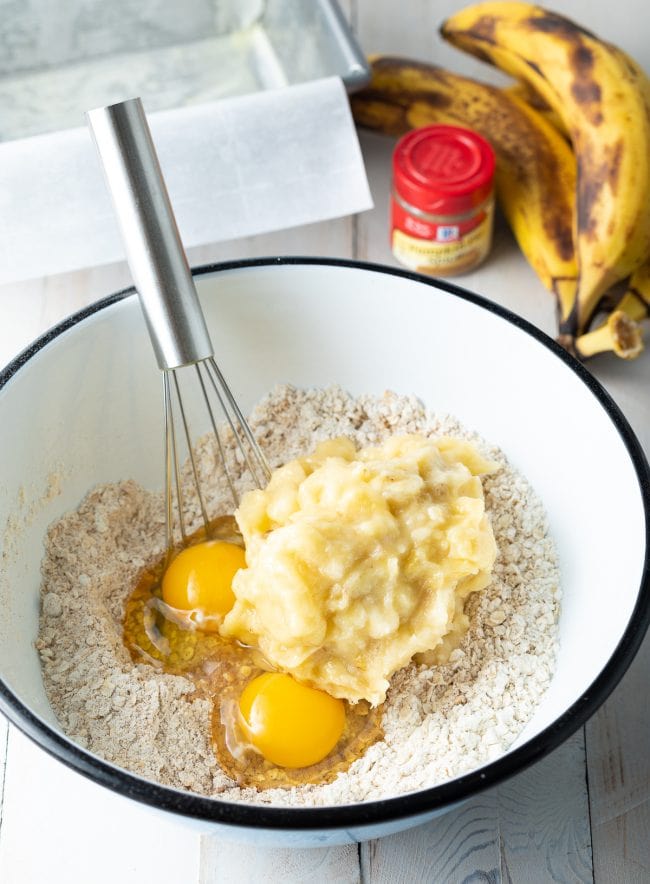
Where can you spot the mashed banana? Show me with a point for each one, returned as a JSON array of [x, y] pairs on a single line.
[[357, 560]]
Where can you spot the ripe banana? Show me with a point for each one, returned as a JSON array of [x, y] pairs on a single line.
[[535, 174], [603, 99]]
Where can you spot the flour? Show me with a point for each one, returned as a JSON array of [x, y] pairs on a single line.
[[439, 722]]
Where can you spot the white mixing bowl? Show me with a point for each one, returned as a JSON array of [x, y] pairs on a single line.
[[84, 402]]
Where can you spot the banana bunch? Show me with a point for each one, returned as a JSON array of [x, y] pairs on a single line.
[[572, 141], [535, 171]]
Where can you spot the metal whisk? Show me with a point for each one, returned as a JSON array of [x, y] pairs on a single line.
[[170, 303]]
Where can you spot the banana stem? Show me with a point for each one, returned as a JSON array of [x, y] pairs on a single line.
[[634, 306], [564, 289], [620, 334]]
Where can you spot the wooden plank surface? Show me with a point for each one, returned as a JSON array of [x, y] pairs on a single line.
[[4, 737], [535, 827], [618, 739], [221, 860], [60, 828]]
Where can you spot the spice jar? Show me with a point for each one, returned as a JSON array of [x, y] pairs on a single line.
[[442, 203]]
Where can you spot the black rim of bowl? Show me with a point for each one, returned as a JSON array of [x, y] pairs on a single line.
[[390, 809]]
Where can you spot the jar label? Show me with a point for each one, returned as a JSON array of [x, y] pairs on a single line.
[[442, 248]]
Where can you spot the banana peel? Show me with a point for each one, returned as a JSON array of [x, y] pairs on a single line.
[[525, 92]]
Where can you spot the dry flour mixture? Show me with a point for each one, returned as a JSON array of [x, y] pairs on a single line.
[[439, 721]]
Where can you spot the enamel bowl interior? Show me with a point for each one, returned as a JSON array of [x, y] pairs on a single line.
[[85, 407]]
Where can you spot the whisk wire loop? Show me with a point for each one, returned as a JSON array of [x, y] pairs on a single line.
[[257, 461], [217, 436], [190, 449], [173, 481], [176, 416], [170, 461]]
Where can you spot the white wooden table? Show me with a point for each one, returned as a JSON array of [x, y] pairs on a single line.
[[583, 814]]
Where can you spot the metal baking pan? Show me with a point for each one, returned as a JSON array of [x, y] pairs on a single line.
[[61, 58]]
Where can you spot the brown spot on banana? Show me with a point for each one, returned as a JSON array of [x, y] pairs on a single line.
[[589, 187], [375, 113], [397, 76], [561, 233], [615, 156], [484, 28], [535, 67], [554, 23], [483, 31], [592, 178], [585, 89]]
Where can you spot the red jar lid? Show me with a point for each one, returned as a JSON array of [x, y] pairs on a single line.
[[443, 170]]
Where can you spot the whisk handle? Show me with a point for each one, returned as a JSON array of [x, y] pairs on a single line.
[[154, 250]]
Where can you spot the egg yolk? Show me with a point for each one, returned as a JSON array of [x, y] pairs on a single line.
[[291, 724], [200, 577]]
